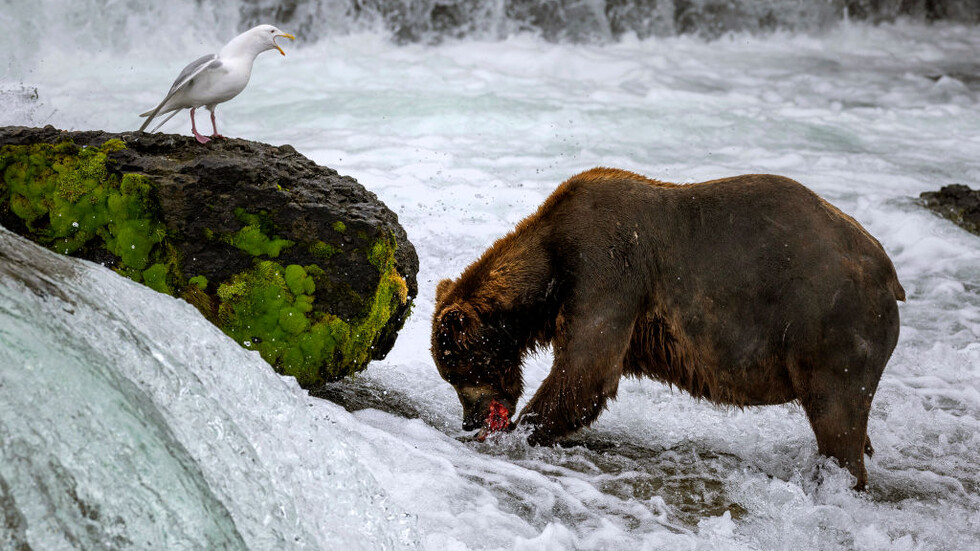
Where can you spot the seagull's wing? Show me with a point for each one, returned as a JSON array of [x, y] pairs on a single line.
[[196, 67]]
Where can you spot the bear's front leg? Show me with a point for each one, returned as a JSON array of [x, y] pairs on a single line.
[[589, 351]]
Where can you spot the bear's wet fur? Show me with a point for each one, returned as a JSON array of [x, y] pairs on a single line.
[[745, 291]]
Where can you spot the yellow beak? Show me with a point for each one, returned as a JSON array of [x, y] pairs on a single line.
[[284, 35]]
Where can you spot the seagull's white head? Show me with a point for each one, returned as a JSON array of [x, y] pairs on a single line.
[[264, 37]]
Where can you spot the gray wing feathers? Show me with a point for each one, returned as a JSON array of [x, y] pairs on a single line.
[[193, 69], [207, 62]]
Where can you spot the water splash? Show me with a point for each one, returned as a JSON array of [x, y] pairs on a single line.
[[120, 431], [27, 28]]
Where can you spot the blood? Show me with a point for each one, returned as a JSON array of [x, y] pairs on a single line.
[[497, 420]]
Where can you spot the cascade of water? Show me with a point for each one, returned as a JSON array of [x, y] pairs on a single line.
[[589, 20], [118, 432], [86, 25]]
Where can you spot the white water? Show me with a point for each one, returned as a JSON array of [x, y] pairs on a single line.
[[462, 140]]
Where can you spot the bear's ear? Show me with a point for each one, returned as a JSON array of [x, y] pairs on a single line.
[[457, 325], [442, 289]]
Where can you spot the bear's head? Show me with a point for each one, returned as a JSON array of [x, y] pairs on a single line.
[[473, 354]]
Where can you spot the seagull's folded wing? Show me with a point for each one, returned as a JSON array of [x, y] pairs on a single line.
[[196, 67]]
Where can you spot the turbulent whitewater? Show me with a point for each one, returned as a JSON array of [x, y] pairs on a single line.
[[129, 421], [126, 422]]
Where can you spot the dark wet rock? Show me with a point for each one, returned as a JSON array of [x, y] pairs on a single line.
[[956, 202], [287, 257]]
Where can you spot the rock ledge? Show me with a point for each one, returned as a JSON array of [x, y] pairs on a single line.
[[287, 257], [956, 202]]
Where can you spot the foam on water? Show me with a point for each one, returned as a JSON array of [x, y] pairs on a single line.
[[128, 421], [462, 140]]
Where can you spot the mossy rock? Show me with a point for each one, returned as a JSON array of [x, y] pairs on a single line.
[[285, 256], [956, 202]]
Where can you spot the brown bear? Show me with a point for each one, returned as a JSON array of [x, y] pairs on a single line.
[[745, 291]]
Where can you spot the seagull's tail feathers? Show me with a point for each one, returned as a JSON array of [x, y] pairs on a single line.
[[149, 117], [152, 114], [164, 121], [159, 109]]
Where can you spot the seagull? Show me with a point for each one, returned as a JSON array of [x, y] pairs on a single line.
[[216, 78]]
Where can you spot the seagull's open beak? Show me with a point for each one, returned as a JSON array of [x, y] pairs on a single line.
[[284, 35]]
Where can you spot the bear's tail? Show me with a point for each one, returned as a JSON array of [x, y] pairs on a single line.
[[897, 290]]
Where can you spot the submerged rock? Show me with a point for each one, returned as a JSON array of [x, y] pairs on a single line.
[[287, 257], [957, 202]]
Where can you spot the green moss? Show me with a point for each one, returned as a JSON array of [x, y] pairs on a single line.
[[293, 320], [323, 250], [155, 277], [200, 281], [339, 227], [391, 292], [260, 309], [298, 281], [253, 238], [69, 200], [132, 230], [270, 309]]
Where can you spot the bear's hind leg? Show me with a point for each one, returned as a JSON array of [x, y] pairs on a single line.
[[840, 422]]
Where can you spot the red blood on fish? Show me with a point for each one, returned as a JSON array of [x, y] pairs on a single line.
[[497, 420]]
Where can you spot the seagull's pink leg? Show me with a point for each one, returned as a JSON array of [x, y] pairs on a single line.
[[200, 138], [214, 127]]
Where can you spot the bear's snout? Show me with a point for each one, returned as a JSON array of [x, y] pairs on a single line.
[[474, 412]]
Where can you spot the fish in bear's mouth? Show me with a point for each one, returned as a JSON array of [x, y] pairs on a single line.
[[498, 419]]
